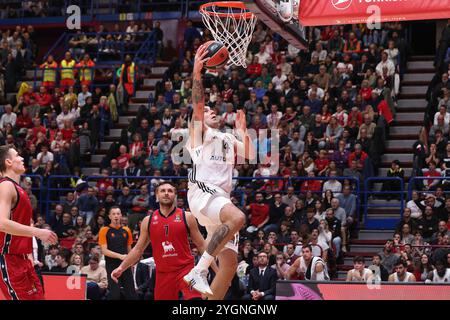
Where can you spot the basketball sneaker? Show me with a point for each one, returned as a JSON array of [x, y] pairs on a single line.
[[197, 280]]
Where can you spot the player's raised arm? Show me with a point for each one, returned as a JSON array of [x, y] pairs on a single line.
[[198, 97], [136, 253], [246, 147], [8, 192]]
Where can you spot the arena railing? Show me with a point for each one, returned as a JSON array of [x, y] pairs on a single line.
[[413, 181], [97, 42], [371, 221], [58, 186]]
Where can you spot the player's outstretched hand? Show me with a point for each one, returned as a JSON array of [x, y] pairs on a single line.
[[47, 236], [200, 59], [241, 121], [115, 275]]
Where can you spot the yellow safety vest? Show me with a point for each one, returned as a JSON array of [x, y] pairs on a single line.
[[67, 69], [50, 72], [130, 73], [86, 70]]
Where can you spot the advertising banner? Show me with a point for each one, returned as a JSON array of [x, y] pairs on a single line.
[[306, 290], [63, 287], [329, 12]]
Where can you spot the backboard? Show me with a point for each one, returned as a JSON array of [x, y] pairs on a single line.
[[287, 25]]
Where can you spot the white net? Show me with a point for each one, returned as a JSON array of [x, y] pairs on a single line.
[[233, 27]]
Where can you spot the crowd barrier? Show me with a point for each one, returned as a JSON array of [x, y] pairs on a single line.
[[50, 191], [54, 188]]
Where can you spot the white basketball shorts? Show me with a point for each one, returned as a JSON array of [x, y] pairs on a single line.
[[205, 202]]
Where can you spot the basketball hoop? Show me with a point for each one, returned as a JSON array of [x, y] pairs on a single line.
[[232, 24]]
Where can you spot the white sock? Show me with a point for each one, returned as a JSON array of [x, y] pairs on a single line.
[[205, 261]]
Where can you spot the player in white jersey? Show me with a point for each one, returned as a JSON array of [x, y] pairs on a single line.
[[210, 183], [439, 275], [400, 274]]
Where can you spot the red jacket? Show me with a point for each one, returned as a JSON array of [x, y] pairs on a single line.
[[366, 93], [44, 100], [361, 158], [254, 69], [24, 122], [358, 117], [311, 185], [385, 111], [67, 134]]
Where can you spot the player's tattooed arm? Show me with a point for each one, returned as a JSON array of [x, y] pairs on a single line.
[[220, 235], [198, 94]]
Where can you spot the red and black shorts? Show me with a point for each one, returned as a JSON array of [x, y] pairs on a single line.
[[171, 286], [19, 280]]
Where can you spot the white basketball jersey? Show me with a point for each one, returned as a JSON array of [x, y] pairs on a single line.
[[214, 160], [406, 279], [444, 279]]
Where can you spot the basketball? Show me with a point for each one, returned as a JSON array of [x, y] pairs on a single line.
[[217, 53]]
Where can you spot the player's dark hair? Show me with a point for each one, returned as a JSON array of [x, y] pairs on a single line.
[[4, 154], [358, 259], [308, 246], [401, 261], [166, 182]]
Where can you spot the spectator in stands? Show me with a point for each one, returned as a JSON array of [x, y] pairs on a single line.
[[430, 184], [334, 225], [66, 228], [332, 184], [400, 274], [379, 271], [442, 113], [347, 201], [258, 213], [423, 268], [392, 187], [140, 206], [262, 280], [125, 200], [165, 145], [62, 262], [359, 156], [427, 224], [388, 257], [97, 281], [83, 95], [290, 198], [385, 66], [87, 204], [50, 258], [7, 122], [310, 221]]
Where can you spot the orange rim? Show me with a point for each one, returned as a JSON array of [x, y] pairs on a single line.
[[226, 4]]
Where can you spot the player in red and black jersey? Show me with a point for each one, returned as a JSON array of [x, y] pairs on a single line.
[[168, 230], [18, 280]]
